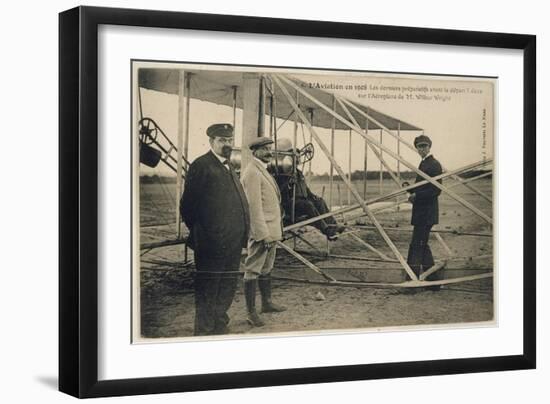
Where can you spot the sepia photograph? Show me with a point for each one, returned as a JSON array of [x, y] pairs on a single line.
[[270, 201]]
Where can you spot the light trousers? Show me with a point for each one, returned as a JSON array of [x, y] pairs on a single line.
[[259, 261]]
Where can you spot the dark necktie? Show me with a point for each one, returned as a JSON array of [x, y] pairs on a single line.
[[232, 171], [234, 177]]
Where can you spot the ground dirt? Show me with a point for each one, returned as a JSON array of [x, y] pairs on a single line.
[[166, 298]]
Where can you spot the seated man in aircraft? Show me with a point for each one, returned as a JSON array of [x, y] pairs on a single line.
[[307, 205]]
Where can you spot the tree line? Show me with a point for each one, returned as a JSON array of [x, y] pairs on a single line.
[[357, 175]]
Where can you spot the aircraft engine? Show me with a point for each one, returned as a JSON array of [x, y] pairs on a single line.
[[282, 164], [148, 131]]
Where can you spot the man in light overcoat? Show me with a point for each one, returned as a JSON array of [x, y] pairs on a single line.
[[264, 202]]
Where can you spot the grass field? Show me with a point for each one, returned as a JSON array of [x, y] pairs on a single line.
[[158, 201]]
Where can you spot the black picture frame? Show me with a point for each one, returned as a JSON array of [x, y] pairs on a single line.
[[78, 200]]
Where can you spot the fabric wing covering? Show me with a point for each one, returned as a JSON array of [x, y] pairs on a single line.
[[217, 87]]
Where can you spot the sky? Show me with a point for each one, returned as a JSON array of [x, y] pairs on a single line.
[[457, 113]]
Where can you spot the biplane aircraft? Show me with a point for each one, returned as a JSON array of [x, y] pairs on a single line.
[[269, 100]]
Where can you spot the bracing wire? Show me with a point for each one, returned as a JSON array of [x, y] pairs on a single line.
[[286, 119]]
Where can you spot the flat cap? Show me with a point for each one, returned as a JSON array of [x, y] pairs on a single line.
[[259, 142], [422, 139], [220, 130]]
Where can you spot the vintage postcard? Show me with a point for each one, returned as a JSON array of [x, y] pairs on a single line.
[[270, 201]]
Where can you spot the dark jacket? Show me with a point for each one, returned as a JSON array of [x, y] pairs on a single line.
[[426, 207], [214, 208], [285, 187]]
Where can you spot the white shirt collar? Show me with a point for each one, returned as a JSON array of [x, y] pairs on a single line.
[[429, 154]]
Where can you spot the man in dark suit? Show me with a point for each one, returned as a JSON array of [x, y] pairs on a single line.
[[215, 209], [306, 203], [425, 211]]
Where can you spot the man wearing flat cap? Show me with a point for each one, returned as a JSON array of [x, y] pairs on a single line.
[[266, 229], [425, 211], [215, 209]]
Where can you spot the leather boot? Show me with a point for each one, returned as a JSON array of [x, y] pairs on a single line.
[[252, 316], [264, 282]]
